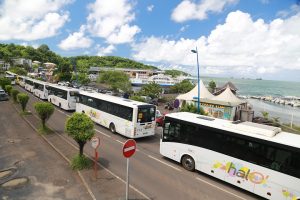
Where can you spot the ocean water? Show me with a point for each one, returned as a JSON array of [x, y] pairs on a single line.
[[250, 87]]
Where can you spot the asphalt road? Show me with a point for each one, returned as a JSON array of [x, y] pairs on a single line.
[[154, 176], [24, 151]]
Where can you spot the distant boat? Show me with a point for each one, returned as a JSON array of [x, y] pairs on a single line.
[[160, 79], [259, 79]]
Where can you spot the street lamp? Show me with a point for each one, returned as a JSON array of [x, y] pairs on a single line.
[[196, 52]]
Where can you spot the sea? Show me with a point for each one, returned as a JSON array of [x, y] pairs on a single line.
[[253, 87]]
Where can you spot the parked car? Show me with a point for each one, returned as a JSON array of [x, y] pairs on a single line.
[[3, 95], [169, 106], [159, 118]]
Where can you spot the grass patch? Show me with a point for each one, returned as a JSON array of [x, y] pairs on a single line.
[[25, 113], [81, 162], [44, 131]]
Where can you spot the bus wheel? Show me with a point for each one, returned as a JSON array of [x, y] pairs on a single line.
[[59, 105], [50, 101], [112, 128], [188, 163]]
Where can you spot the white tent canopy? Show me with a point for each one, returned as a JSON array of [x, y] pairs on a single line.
[[204, 93], [227, 96]]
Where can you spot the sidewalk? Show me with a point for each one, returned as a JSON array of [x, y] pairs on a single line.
[[27, 155]]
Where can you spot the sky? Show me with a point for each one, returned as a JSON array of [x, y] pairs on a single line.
[[234, 38]]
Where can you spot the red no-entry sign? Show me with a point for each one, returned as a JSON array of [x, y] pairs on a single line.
[[129, 148]]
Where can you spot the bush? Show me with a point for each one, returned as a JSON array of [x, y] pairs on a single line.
[[4, 82], [137, 98], [14, 94], [8, 89], [44, 110], [80, 162], [189, 107], [23, 100]]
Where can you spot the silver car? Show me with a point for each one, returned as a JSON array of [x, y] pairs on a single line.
[[3, 95]]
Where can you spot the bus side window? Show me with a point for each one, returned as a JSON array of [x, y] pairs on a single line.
[[295, 165]]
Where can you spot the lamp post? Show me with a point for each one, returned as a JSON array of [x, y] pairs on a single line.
[[198, 68]]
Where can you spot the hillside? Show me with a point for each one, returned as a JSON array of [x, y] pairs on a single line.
[[44, 54]]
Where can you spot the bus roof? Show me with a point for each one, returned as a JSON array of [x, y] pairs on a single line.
[[114, 99], [40, 82], [63, 87], [11, 73], [250, 129]]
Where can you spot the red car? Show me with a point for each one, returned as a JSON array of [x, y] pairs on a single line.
[[159, 118]]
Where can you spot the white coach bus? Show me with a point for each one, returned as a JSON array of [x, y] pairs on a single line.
[[21, 80], [29, 85], [255, 157], [62, 96], [40, 89], [127, 117], [11, 76]]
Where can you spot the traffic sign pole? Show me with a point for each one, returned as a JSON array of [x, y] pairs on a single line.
[[127, 179], [95, 162], [95, 142], [129, 149]]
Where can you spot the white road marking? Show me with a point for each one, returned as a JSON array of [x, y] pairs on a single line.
[[219, 188], [129, 148], [164, 163], [102, 133], [119, 141], [60, 111]]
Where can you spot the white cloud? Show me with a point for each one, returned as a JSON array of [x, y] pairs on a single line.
[[111, 20], [76, 40], [150, 8], [294, 9], [240, 46], [188, 10], [31, 20], [102, 51]]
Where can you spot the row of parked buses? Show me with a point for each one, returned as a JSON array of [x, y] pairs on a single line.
[[260, 159], [130, 118]]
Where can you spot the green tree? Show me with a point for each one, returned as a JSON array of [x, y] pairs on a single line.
[[265, 114], [182, 87], [175, 73], [82, 78], [18, 70], [14, 94], [81, 128], [4, 82], [212, 86], [23, 100], [44, 110], [8, 89], [117, 80], [152, 90], [137, 98]]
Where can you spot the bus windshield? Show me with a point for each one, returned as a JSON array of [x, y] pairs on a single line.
[[146, 114]]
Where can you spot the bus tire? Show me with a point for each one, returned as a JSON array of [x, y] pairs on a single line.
[[59, 105], [50, 101], [188, 163], [83, 112], [112, 128]]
